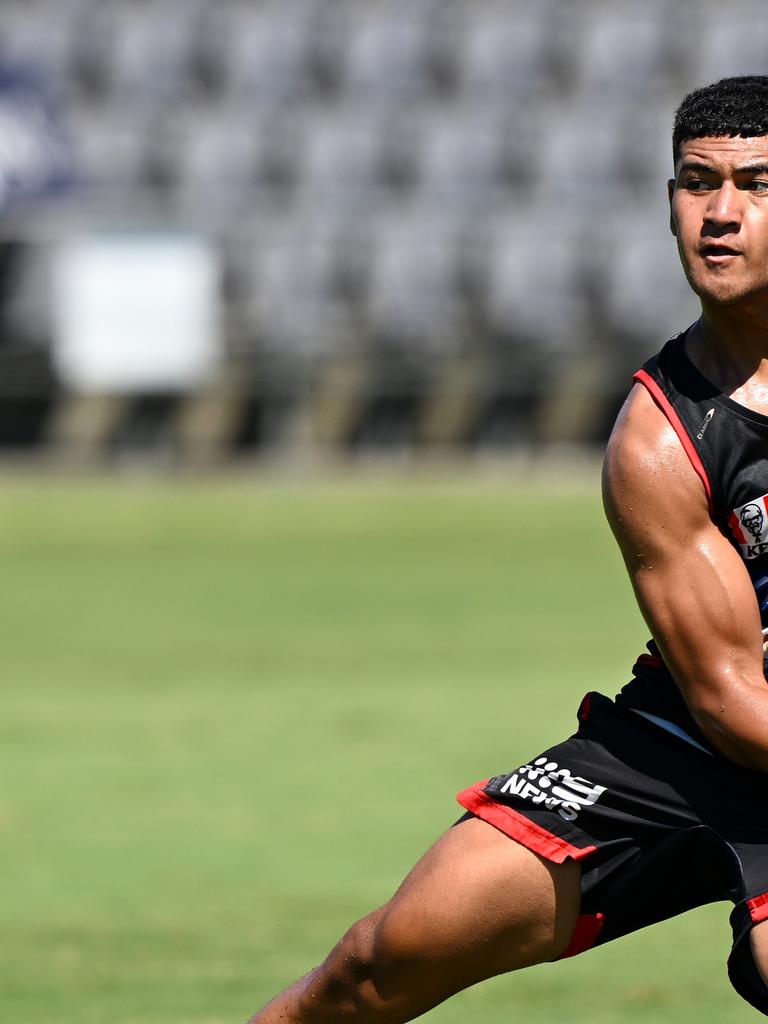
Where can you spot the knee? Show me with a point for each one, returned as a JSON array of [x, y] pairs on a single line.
[[345, 980], [369, 969], [399, 954]]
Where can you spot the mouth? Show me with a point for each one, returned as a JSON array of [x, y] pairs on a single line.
[[716, 254]]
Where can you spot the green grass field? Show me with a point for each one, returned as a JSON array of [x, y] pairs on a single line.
[[234, 714]]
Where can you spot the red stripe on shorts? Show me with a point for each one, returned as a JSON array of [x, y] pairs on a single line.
[[585, 934], [518, 827]]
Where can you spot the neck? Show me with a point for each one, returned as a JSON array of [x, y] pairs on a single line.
[[730, 346]]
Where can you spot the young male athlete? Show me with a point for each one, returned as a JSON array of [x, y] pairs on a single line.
[[659, 802]]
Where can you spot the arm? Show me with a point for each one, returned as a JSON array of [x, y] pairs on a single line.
[[690, 583]]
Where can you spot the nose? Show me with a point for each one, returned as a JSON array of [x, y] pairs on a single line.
[[724, 209]]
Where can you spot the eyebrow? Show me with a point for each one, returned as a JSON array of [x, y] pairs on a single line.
[[693, 165]]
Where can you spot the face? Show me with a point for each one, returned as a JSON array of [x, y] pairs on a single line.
[[719, 205], [752, 520]]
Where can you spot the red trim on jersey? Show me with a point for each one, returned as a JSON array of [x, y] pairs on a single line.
[[518, 827], [758, 908], [643, 377], [585, 934]]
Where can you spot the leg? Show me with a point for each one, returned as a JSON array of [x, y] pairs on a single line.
[[477, 904]]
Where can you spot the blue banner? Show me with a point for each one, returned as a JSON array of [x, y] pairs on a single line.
[[35, 155]]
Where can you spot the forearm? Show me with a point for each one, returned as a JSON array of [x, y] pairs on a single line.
[[734, 719], [717, 662], [723, 686], [718, 668]]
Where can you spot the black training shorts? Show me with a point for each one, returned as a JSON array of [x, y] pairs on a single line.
[[658, 825]]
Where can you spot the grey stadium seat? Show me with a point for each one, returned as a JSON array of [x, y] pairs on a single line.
[[412, 298], [343, 154], [506, 52], [223, 154], [150, 48], [646, 298], [265, 51], [110, 146], [580, 155], [295, 305], [534, 264], [622, 51], [466, 153], [732, 41], [387, 54]]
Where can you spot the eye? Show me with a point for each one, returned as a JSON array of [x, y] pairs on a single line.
[[696, 184], [758, 186]]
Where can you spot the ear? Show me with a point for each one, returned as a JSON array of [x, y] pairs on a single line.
[[670, 193]]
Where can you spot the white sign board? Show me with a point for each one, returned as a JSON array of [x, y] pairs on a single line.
[[136, 313]]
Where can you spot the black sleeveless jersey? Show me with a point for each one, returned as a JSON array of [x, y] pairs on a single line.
[[727, 445]]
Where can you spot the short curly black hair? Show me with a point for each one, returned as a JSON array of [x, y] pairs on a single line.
[[732, 106]]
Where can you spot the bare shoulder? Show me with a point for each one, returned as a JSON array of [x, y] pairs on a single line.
[[650, 488]]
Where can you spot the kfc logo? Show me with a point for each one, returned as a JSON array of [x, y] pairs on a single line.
[[752, 520], [749, 526]]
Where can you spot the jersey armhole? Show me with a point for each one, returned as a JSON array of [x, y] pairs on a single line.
[[661, 400]]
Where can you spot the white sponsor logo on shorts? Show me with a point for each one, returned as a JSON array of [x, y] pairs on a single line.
[[545, 783]]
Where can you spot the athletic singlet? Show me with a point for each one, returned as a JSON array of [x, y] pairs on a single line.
[[727, 445]]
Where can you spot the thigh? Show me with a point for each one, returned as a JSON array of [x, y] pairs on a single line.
[[476, 905]]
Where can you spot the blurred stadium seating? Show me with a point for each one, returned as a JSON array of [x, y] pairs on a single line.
[[439, 223]]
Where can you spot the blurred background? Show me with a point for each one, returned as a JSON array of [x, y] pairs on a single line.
[[377, 234], [323, 228]]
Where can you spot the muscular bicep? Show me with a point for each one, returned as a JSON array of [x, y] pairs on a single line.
[[690, 583]]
